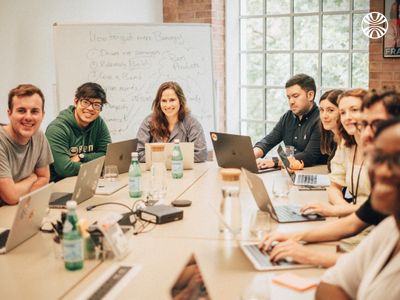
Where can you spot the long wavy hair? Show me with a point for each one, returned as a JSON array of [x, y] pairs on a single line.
[[349, 140], [328, 143], [159, 122]]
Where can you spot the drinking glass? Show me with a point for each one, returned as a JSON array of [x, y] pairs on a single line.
[[260, 224], [111, 173], [289, 150], [280, 187]]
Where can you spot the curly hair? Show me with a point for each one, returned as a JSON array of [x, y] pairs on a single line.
[[159, 122]]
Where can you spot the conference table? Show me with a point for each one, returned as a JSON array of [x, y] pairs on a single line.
[[161, 252]]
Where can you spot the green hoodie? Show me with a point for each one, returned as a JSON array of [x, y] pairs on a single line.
[[67, 139]]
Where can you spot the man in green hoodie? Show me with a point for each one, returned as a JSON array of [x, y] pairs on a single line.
[[78, 134]]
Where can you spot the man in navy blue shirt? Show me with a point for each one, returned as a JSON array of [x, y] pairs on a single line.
[[298, 127]]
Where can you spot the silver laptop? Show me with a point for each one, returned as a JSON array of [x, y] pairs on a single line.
[[119, 154], [260, 260], [187, 153], [106, 187], [32, 208], [85, 186], [311, 180], [281, 213], [235, 151]]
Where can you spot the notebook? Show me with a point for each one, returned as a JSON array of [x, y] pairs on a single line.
[[119, 154], [32, 208], [281, 213], [235, 151], [312, 180], [187, 153], [260, 260], [85, 186]]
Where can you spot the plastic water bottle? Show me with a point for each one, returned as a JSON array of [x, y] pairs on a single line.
[[177, 161], [72, 240], [230, 203], [135, 177], [158, 189]]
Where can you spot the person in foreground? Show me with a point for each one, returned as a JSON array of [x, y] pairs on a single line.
[[372, 270], [298, 127], [377, 107], [25, 155], [171, 120], [78, 134]]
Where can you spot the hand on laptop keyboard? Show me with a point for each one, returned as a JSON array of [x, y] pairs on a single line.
[[264, 163], [291, 251], [322, 209]]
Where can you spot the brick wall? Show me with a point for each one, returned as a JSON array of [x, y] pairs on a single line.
[[382, 71], [211, 12]]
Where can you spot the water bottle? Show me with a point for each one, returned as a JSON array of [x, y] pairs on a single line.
[[158, 186], [177, 161], [230, 203], [72, 239], [135, 177]]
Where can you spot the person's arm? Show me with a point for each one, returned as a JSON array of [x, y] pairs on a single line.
[[262, 147], [11, 191], [196, 135], [43, 177], [330, 231], [335, 195], [101, 141], [330, 291], [311, 155], [59, 143], [143, 136], [329, 210]]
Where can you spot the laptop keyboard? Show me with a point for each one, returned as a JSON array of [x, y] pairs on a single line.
[[261, 258], [61, 201], [4, 237], [288, 213], [304, 179]]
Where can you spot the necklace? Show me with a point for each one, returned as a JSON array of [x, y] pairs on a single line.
[[354, 200]]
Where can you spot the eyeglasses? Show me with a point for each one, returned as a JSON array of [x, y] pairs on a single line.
[[86, 103], [393, 159], [364, 124]]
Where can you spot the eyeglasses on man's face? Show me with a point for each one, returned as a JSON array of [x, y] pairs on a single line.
[[362, 125], [86, 103], [393, 159]]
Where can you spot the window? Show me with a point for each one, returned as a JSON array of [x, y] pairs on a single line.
[[277, 39]]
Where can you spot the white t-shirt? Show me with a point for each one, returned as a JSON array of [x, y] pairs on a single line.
[[360, 274]]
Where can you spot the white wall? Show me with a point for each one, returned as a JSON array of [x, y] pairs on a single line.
[[26, 38]]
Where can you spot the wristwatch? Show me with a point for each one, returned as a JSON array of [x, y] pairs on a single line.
[[276, 161], [81, 156]]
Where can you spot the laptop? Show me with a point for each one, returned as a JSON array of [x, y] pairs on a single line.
[[119, 154], [85, 186], [260, 260], [310, 180], [187, 153], [281, 213], [32, 208], [235, 151]]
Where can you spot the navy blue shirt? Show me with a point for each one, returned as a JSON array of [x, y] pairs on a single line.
[[304, 135], [368, 214]]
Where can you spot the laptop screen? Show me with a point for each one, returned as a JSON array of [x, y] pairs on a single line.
[[285, 161]]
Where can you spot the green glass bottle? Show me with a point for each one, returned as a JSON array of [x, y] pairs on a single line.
[[135, 177], [72, 240], [177, 161]]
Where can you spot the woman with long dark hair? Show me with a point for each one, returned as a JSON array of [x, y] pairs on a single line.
[[171, 120]]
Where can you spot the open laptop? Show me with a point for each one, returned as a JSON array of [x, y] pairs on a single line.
[[187, 153], [280, 213], [260, 260], [85, 185], [235, 151], [31, 210], [311, 180], [119, 154]]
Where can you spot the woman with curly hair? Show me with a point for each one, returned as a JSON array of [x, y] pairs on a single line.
[[171, 120]]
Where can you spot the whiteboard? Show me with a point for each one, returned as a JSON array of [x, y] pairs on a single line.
[[130, 61]]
